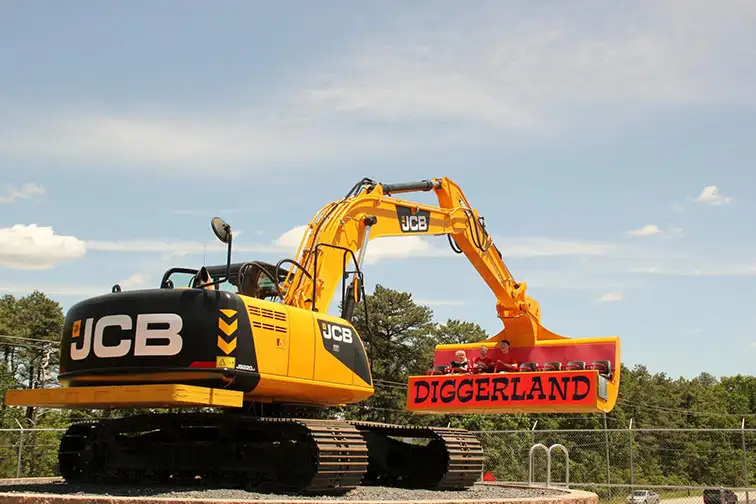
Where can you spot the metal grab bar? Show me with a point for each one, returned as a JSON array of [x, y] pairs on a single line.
[[548, 463]]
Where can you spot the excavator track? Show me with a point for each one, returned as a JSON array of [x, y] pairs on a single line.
[[451, 458], [283, 455]]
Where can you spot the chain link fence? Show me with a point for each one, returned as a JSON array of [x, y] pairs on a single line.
[[670, 465], [29, 452]]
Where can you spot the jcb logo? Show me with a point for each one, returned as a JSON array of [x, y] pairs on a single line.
[[413, 221], [142, 336], [337, 333]]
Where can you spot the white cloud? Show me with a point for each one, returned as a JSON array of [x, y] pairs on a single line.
[[392, 247], [523, 69], [647, 230], [36, 248], [410, 88], [291, 239], [677, 232], [26, 191], [710, 196], [645, 269], [451, 77], [387, 247], [653, 229], [135, 281], [190, 146], [610, 297]]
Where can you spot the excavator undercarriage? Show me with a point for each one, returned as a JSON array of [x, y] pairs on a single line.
[[283, 455]]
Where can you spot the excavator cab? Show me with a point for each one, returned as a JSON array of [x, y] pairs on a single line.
[[253, 279], [256, 280]]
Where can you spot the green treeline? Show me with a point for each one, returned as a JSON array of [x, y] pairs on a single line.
[[400, 339]]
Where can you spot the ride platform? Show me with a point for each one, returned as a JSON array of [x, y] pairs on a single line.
[[560, 375], [580, 391]]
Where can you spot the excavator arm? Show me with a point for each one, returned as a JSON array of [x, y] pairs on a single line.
[[339, 234]]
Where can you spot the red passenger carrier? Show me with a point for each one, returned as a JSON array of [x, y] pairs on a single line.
[[552, 376]]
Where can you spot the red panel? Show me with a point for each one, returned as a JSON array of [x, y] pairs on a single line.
[[202, 364], [498, 390], [585, 352]]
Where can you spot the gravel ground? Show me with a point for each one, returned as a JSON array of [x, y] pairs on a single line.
[[360, 493]]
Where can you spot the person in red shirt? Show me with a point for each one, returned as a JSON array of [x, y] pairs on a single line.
[[501, 364], [483, 363]]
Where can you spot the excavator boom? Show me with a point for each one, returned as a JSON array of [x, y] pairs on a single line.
[[341, 230]]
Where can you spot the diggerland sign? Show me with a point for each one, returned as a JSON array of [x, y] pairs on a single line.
[[523, 389]]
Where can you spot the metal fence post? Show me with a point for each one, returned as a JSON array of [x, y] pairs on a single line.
[[745, 458], [608, 478], [632, 470], [20, 448]]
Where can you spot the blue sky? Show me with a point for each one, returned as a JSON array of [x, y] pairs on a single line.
[[124, 127]]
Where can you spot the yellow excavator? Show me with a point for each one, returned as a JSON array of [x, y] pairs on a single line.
[[255, 340]]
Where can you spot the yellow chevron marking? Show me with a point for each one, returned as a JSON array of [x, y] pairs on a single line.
[[226, 347], [227, 328], [228, 312]]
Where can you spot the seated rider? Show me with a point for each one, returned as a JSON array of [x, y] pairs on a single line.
[[501, 365], [459, 364], [483, 363]]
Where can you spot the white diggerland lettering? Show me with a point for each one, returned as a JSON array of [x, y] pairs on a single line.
[[336, 333], [415, 223], [142, 335]]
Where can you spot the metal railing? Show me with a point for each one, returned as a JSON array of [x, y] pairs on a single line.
[[548, 463]]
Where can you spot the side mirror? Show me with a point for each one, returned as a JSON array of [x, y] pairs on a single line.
[[221, 229]]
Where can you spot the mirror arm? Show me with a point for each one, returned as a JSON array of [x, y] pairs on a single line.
[[217, 223], [228, 258]]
